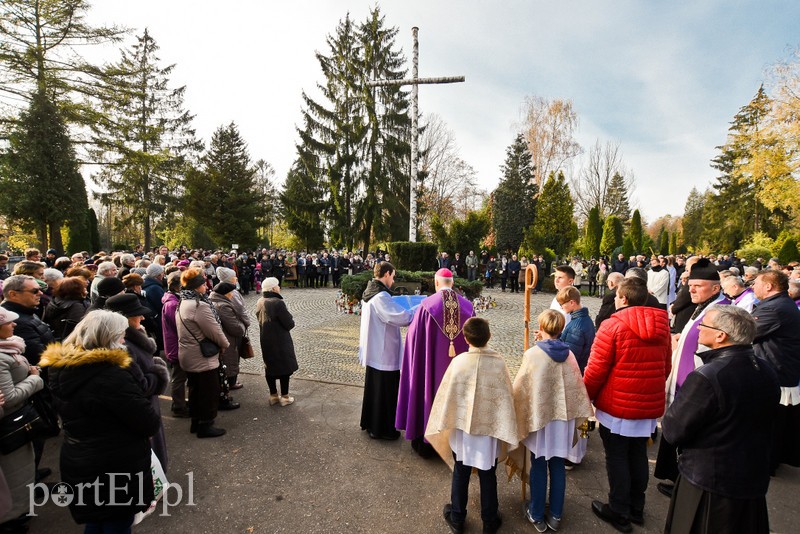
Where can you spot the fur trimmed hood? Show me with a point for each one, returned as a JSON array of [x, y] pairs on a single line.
[[65, 356]]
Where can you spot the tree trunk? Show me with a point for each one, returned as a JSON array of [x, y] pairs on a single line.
[[55, 239], [41, 234]]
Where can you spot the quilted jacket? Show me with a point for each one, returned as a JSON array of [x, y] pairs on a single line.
[[629, 363]]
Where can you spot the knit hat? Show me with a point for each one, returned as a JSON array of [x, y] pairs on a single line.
[[7, 316], [226, 275], [154, 270], [174, 278], [704, 270], [110, 286], [223, 288], [269, 283], [195, 282]]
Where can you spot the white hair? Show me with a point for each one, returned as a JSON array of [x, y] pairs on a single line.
[[52, 275], [99, 329], [105, 267]]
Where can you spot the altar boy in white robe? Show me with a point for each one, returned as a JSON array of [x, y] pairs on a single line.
[[473, 424]]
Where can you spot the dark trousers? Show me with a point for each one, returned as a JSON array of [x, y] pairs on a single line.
[[273, 388], [178, 386], [336, 277], [322, 280], [116, 526], [471, 273], [627, 469], [503, 280], [459, 493], [515, 283], [203, 394], [592, 287]]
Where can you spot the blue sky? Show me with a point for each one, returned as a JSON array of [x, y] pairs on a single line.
[[663, 79]]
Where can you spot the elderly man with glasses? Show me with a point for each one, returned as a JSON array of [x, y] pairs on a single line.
[[21, 295], [722, 424]]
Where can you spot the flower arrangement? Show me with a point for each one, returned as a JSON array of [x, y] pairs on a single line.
[[481, 304], [347, 304]]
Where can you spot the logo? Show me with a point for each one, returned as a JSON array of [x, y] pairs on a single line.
[[62, 494]]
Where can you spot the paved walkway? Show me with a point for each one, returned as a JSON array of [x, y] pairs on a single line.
[[307, 468]]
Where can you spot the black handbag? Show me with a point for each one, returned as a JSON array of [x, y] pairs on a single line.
[[36, 419], [208, 348]]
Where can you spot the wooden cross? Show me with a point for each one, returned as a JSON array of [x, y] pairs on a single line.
[[414, 82]]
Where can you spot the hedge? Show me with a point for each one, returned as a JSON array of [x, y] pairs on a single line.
[[413, 256], [354, 285]]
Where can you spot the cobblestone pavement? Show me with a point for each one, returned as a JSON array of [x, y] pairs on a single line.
[[326, 341]]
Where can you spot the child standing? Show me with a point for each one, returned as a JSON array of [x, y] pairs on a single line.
[[550, 401], [472, 424]]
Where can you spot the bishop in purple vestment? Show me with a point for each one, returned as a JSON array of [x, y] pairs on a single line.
[[433, 339]]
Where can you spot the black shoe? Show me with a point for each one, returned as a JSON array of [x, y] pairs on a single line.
[[229, 404], [637, 518], [387, 437], [181, 413], [455, 527], [208, 430], [491, 528], [604, 512], [42, 473], [193, 426], [665, 488]]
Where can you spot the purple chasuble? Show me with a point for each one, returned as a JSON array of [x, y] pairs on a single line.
[[690, 345], [746, 292], [426, 358]]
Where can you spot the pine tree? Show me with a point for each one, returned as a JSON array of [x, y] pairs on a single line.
[[636, 232], [514, 198], [594, 234], [692, 221], [223, 196], [41, 186], [552, 227], [303, 199], [40, 42], [145, 139], [673, 243], [94, 230], [612, 235], [617, 198]]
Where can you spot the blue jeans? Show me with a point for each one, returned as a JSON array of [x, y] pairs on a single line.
[[558, 486], [120, 526], [459, 493]]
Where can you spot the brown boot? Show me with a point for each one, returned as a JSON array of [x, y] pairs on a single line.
[[274, 399]]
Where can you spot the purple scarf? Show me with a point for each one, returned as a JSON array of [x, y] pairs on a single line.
[[690, 344]]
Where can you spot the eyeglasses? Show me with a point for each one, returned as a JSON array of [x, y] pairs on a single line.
[[35, 291], [703, 325]]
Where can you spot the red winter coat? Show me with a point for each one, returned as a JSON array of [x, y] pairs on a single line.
[[629, 363]]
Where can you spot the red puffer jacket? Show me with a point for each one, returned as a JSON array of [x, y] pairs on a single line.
[[629, 363]]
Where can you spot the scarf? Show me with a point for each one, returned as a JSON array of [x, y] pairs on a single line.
[[191, 294], [13, 346]]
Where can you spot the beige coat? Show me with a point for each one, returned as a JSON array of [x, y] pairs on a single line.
[[475, 396], [196, 321]]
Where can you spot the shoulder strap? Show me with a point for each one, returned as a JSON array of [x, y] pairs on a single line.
[[184, 324]]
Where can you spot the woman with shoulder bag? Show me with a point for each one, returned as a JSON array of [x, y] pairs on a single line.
[[277, 347], [198, 329], [18, 382], [235, 330]]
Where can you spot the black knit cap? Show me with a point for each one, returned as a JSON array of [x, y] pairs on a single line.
[[223, 288], [704, 270]]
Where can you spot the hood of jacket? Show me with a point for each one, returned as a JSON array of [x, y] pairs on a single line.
[[170, 296], [373, 288], [645, 322], [555, 348], [72, 367]]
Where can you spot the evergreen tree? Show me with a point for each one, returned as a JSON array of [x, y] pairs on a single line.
[[42, 187], [673, 243], [636, 232], [612, 235], [663, 241], [514, 198], [617, 198], [94, 231], [39, 53], [303, 201], [627, 246], [223, 196], [594, 234], [79, 235], [788, 252], [144, 139], [692, 221], [553, 225], [461, 235]]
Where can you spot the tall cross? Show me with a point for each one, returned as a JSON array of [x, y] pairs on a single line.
[[414, 82]]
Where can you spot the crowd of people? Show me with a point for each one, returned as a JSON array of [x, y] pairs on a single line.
[[103, 337], [707, 345]]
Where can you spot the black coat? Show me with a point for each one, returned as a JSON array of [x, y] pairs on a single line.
[[62, 316], [722, 423], [682, 309], [277, 347], [107, 421], [34, 331], [778, 336], [607, 307]]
